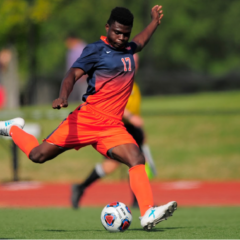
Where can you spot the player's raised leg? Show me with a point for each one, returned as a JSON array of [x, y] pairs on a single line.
[[131, 155], [27, 142]]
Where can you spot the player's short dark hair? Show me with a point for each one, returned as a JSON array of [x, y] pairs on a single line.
[[121, 15]]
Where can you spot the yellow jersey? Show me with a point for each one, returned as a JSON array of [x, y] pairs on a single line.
[[134, 101]]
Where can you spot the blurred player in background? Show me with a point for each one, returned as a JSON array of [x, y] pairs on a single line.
[[134, 125], [75, 47], [98, 121]]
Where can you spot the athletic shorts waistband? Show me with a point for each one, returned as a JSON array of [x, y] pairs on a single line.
[[103, 113]]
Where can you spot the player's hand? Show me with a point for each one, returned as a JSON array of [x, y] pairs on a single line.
[[157, 13], [136, 121], [59, 103]]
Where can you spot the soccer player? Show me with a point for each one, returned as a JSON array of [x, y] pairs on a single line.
[[134, 125], [110, 66]]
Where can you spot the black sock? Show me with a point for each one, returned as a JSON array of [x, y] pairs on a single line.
[[134, 200], [90, 179]]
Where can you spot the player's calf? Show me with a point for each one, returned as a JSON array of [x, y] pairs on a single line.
[[44, 152]]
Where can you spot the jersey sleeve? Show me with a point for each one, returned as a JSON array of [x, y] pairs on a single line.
[[88, 58], [133, 46]]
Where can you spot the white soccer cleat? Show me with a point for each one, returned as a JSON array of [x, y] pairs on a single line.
[[6, 125], [155, 215]]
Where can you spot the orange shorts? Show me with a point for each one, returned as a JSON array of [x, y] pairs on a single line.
[[88, 126]]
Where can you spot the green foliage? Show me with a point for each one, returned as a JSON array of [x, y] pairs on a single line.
[[12, 15], [18, 14], [197, 35], [18, 19]]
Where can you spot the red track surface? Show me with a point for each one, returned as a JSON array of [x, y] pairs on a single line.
[[186, 193]]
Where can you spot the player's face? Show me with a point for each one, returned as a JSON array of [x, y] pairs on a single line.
[[118, 34]]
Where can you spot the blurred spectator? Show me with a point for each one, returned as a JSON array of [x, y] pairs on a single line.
[[4, 60], [75, 47], [2, 96], [9, 81]]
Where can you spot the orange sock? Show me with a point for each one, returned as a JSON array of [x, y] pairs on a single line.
[[23, 140], [140, 186]]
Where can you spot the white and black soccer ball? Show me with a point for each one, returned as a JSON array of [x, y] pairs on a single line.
[[116, 217]]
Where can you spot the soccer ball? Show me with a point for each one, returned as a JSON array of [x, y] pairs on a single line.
[[116, 217]]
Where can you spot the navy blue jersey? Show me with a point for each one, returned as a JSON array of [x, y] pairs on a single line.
[[110, 75]]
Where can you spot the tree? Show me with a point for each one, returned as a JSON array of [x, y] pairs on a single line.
[[20, 22]]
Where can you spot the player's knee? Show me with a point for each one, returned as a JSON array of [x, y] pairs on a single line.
[[37, 157], [137, 158]]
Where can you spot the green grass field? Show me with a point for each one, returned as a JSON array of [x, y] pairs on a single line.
[[187, 223], [191, 137]]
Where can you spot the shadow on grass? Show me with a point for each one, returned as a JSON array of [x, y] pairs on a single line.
[[156, 229], [61, 230], [129, 230], [140, 229], [56, 230], [173, 228]]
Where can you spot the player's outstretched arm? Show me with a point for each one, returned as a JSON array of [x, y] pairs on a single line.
[[143, 37], [67, 85]]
